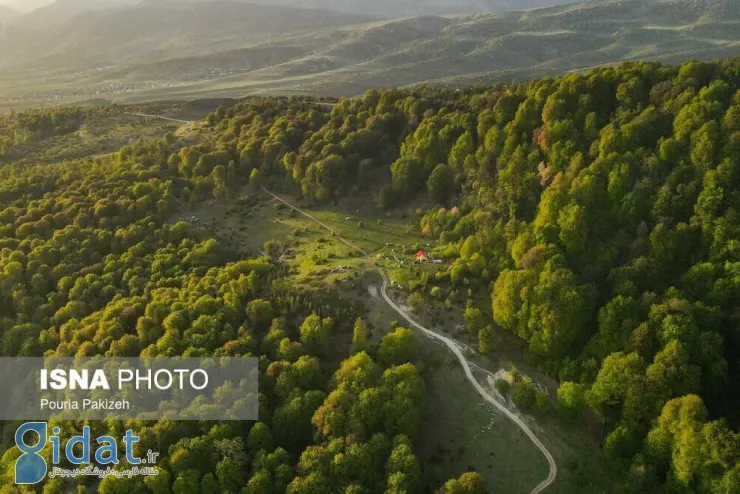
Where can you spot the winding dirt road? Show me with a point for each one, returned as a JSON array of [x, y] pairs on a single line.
[[450, 343]]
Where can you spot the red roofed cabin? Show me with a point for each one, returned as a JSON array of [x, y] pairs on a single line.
[[420, 256]]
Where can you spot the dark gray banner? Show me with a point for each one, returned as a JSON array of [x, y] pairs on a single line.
[[102, 388]]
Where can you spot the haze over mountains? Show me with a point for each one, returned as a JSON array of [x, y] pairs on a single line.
[[25, 5], [67, 33], [152, 49], [7, 14], [386, 8], [401, 8]]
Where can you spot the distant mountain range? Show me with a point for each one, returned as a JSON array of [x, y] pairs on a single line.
[[404, 8], [80, 33], [386, 8], [53, 15], [157, 49]]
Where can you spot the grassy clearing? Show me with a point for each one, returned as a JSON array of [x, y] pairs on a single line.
[[460, 432], [359, 221], [315, 256]]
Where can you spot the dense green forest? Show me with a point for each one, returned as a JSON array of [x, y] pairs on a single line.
[[19, 129], [599, 210], [91, 266], [596, 214]]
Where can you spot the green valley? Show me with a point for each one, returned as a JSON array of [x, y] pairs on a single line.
[[524, 287], [466, 247]]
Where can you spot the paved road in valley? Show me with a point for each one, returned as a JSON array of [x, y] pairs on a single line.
[[453, 345], [161, 117], [146, 115]]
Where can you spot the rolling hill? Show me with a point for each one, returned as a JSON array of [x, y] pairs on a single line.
[[163, 49]]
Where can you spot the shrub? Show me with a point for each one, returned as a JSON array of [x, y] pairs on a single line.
[[524, 394], [415, 301], [503, 386], [571, 398], [542, 402]]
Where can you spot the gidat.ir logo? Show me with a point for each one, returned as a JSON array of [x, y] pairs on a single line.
[[31, 467]]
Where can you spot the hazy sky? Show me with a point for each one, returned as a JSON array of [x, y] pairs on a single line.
[[24, 5], [29, 4], [19, 3]]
